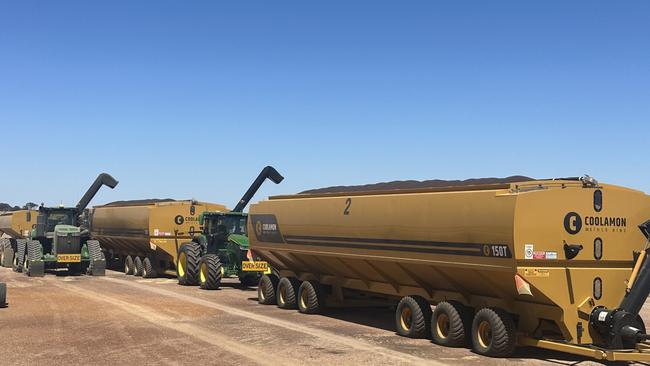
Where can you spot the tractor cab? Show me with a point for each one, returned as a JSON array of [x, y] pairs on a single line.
[[220, 228], [49, 218]]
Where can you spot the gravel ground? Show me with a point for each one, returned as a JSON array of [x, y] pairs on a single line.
[[59, 320]]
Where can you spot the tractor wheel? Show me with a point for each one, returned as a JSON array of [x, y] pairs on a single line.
[[34, 266], [19, 257], [310, 298], [97, 266], [210, 272], [187, 264], [493, 333], [266, 289], [286, 293], [413, 317], [148, 271], [7, 254], [137, 267], [3, 295], [128, 265], [449, 324]]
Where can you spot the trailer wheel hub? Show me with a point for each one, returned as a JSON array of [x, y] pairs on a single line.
[[442, 326], [303, 299], [282, 294], [406, 318], [485, 334]]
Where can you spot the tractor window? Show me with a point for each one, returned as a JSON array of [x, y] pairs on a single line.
[[58, 218], [232, 225]]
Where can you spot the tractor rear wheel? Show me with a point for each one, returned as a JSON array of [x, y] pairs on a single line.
[[210, 272], [128, 265], [148, 271], [137, 267], [413, 317], [310, 299], [187, 264], [286, 292], [493, 333], [266, 289]]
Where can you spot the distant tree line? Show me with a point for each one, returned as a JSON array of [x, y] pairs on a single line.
[[7, 207]]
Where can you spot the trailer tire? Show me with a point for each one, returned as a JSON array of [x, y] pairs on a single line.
[[210, 272], [7, 254], [128, 265], [286, 293], [187, 264], [310, 299], [148, 271], [493, 333], [413, 317], [19, 257], [137, 267], [449, 324], [266, 289]]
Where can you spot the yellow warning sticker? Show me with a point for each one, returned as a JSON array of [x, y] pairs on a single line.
[[536, 272]]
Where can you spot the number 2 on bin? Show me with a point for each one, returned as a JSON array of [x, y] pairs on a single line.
[[348, 203]]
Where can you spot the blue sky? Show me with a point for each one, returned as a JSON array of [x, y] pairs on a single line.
[[191, 99]]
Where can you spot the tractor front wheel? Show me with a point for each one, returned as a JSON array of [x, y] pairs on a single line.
[[210, 272]]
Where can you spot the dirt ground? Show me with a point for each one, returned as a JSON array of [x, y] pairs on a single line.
[[60, 320]]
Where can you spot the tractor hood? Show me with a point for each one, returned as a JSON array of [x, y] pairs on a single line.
[[66, 229], [240, 240]]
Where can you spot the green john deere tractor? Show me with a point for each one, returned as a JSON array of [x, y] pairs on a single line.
[[57, 240], [221, 248]]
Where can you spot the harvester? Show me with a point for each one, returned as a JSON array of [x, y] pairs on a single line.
[[57, 240], [221, 248]]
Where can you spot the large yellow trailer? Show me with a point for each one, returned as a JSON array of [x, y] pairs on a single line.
[[144, 236], [14, 228], [557, 264]]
